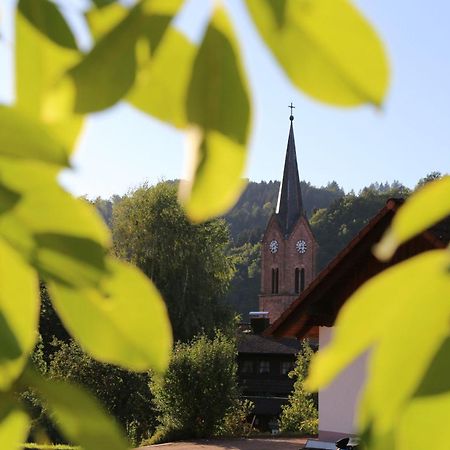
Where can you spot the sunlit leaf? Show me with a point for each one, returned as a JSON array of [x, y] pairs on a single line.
[[423, 209], [124, 322], [46, 61], [326, 47], [79, 416], [46, 17], [376, 308], [8, 199], [218, 178], [14, 425], [103, 3], [161, 84], [108, 71], [23, 138], [19, 313], [218, 107], [399, 347], [61, 236], [424, 423], [101, 21], [425, 419]]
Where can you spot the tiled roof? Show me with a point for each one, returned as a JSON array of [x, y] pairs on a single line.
[[254, 343]]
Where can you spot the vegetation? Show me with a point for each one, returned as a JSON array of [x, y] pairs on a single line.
[[186, 261], [300, 414], [198, 396]]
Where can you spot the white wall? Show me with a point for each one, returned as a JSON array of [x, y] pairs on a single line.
[[338, 402]]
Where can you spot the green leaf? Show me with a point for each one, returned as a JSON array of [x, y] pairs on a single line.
[[103, 3], [36, 54], [326, 47], [124, 322], [63, 237], [426, 207], [424, 423], [14, 425], [8, 199], [401, 349], [161, 84], [23, 138], [101, 21], [377, 307], [46, 17], [220, 123], [108, 71], [19, 314], [79, 416], [425, 419]]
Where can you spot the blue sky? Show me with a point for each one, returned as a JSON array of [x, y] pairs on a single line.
[[409, 138]]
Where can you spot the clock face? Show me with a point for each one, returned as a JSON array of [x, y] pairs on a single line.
[[301, 246], [273, 246]]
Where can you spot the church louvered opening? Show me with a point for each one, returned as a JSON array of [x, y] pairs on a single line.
[[302, 280], [297, 280], [275, 281]]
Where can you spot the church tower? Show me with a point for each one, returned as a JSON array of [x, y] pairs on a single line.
[[288, 246]]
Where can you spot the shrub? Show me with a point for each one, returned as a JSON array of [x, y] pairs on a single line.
[[300, 414], [199, 390]]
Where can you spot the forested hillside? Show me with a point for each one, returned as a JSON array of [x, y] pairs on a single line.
[[335, 218]]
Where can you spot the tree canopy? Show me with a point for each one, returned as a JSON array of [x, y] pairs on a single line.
[[186, 261]]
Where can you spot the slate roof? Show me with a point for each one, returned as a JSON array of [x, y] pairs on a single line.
[[290, 203], [257, 344]]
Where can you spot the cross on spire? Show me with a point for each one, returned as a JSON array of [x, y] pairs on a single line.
[[292, 107]]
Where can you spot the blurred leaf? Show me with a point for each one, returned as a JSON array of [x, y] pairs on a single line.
[[24, 138], [124, 322], [326, 47], [14, 425], [19, 314], [425, 419], [8, 199], [37, 55], [221, 123], [426, 207], [101, 21], [401, 347], [424, 423], [51, 229], [80, 417], [46, 17], [103, 3], [161, 84], [218, 179], [108, 71], [377, 307]]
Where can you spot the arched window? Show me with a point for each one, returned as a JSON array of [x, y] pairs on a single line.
[[297, 280], [275, 281], [302, 280]]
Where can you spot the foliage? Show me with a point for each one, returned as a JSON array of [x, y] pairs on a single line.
[[45, 233], [199, 390], [404, 414], [125, 394], [300, 414], [194, 275]]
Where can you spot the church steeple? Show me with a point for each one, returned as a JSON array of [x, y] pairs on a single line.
[[290, 204]]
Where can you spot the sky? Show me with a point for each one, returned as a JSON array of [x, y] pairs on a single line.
[[410, 137]]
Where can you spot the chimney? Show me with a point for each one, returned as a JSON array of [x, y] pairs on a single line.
[[259, 321]]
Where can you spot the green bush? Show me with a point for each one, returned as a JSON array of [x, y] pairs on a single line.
[[199, 391], [300, 414]]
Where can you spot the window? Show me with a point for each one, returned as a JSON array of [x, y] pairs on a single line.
[[275, 281], [286, 367], [297, 280], [264, 367], [302, 280], [247, 367]]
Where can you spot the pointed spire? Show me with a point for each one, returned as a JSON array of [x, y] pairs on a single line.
[[290, 204]]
